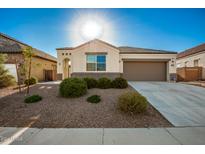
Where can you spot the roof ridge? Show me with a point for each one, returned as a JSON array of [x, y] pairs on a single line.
[[196, 46], [196, 49], [119, 48], [13, 39], [162, 50], [54, 58], [49, 57], [78, 46]]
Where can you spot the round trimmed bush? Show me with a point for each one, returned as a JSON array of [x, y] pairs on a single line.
[[94, 99], [32, 99], [73, 87], [30, 81], [104, 83], [132, 102], [119, 83], [91, 82]]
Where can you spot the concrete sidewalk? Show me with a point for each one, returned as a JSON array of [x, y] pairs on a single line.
[[50, 82], [99, 136]]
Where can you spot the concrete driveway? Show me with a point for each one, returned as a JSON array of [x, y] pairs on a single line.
[[181, 104]]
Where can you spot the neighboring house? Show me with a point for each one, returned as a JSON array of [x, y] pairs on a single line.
[[97, 58], [193, 58], [44, 66]]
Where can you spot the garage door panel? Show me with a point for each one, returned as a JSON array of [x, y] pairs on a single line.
[[144, 71]]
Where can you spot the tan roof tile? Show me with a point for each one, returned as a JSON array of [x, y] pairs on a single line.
[[194, 50]]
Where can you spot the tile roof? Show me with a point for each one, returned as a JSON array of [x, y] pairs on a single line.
[[7, 47], [65, 48], [125, 49], [191, 51], [13, 39], [134, 50], [14, 47], [44, 55], [71, 48]]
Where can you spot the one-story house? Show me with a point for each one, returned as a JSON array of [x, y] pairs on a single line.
[[192, 62], [43, 67], [97, 58]]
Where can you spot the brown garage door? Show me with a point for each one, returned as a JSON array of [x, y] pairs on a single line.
[[144, 71]]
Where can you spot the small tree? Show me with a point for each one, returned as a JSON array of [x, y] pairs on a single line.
[[5, 78], [28, 54]]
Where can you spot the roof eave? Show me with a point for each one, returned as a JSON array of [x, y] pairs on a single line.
[[9, 52], [65, 48], [183, 56], [13, 39], [148, 52], [72, 48]]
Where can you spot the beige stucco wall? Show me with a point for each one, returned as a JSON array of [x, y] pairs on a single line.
[[170, 58], [61, 57], [190, 61], [114, 60], [39, 65], [78, 57]]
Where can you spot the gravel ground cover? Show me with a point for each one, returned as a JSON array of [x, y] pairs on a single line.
[[57, 112]]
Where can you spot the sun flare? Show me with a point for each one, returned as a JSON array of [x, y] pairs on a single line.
[[91, 30], [88, 26]]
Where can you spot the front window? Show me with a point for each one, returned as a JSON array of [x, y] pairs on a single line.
[[186, 63], [196, 63], [96, 63], [178, 65]]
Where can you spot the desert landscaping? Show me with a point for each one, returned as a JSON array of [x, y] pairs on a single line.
[[55, 111]]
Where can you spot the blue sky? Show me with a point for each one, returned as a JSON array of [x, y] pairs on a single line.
[[168, 29]]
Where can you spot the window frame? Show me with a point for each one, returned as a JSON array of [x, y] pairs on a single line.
[[196, 61], [178, 65], [95, 62], [186, 63]]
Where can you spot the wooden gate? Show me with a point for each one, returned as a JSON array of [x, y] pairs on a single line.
[[189, 74], [48, 75]]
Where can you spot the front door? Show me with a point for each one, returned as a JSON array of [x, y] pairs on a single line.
[[66, 68]]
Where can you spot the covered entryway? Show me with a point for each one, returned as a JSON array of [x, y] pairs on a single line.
[[145, 70], [66, 68]]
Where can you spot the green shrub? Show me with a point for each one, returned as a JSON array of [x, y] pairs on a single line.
[[5, 78], [132, 102], [104, 83], [73, 87], [91, 82], [32, 99], [94, 99], [119, 83], [30, 81]]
